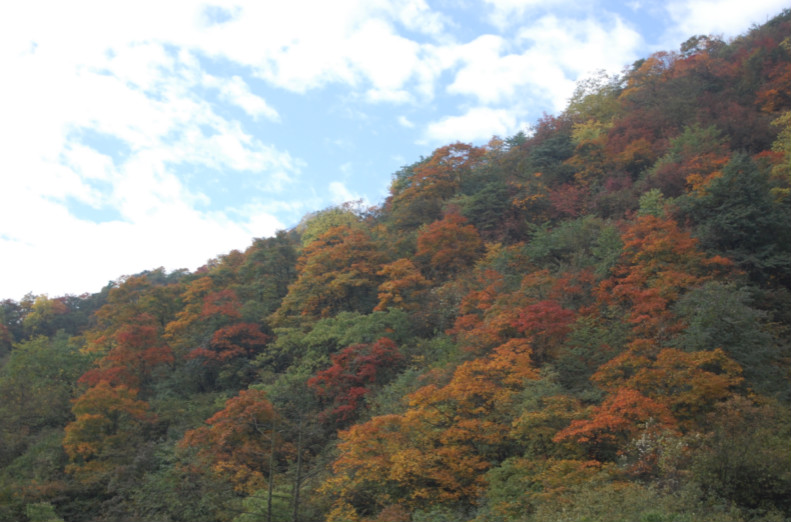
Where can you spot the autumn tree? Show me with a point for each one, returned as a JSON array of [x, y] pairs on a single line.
[[44, 314], [204, 308], [616, 421], [239, 441], [436, 451], [689, 384], [316, 224], [337, 272], [229, 342], [590, 161], [211, 337], [486, 314], [354, 370], [694, 158], [153, 294], [138, 352], [403, 286], [109, 424], [448, 246], [729, 316], [418, 197], [546, 323], [659, 263]]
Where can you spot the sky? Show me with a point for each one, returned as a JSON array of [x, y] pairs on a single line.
[[146, 134]]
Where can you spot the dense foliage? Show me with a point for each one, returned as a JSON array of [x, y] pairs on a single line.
[[589, 322]]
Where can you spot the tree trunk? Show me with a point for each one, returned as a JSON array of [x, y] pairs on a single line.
[[298, 477]]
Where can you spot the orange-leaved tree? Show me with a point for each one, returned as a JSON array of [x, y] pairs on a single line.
[[137, 352], [438, 450], [229, 342], [448, 246], [418, 198], [689, 384], [404, 286], [108, 425], [239, 442], [337, 272], [659, 263], [615, 422], [206, 307]]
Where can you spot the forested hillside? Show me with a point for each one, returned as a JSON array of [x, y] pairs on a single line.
[[589, 322]]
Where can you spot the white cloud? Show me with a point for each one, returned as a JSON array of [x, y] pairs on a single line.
[[416, 15], [301, 46], [340, 194], [717, 17], [236, 91], [480, 123], [384, 58], [552, 55], [584, 45], [105, 114], [396, 96], [89, 163], [505, 13], [64, 257], [486, 74], [405, 122]]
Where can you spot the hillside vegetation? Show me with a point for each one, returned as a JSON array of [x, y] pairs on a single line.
[[589, 322]]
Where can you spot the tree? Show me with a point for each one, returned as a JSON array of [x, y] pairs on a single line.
[[617, 420], [726, 316], [337, 272], [436, 452], [523, 485], [744, 456], [595, 98], [546, 323], [46, 316], [37, 385], [188, 328], [448, 246], [150, 293], [238, 441], [690, 384], [738, 218], [590, 160], [137, 354], [229, 342], [418, 197], [304, 434], [659, 263], [546, 153], [315, 225], [269, 268], [42, 512], [695, 158], [354, 370], [781, 170], [211, 335], [490, 211], [12, 315], [404, 286], [108, 426]]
